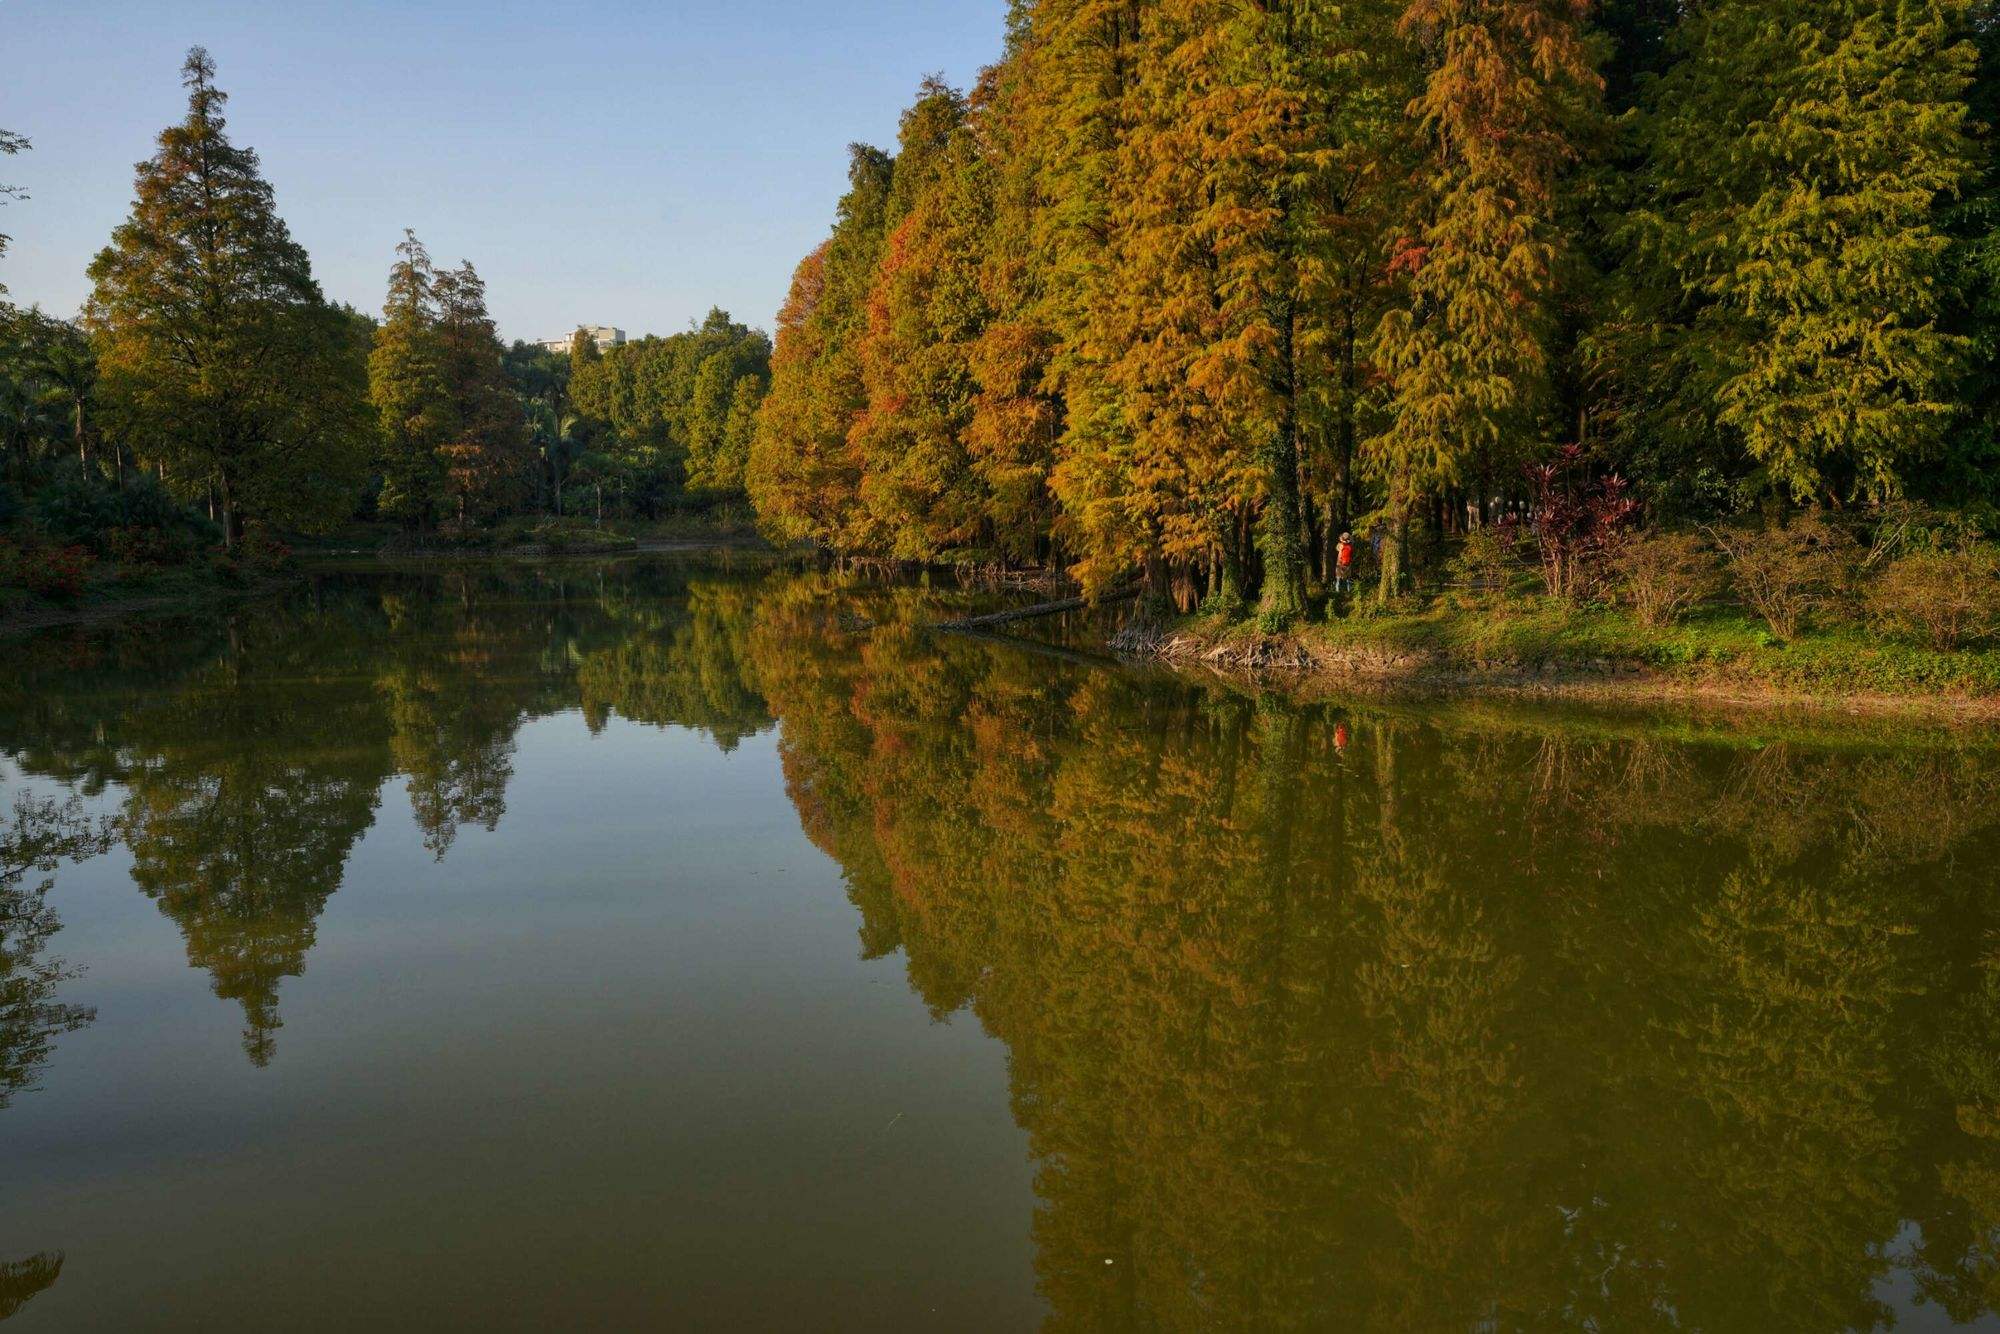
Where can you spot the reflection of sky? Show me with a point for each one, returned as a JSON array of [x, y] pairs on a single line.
[[622, 1050], [1897, 1290]]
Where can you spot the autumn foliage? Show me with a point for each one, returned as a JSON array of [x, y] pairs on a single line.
[[1185, 288]]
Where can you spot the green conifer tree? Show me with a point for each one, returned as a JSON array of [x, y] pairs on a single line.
[[1800, 150], [1465, 353], [218, 351], [406, 385]]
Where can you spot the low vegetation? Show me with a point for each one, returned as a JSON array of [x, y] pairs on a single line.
[[1908, 603]]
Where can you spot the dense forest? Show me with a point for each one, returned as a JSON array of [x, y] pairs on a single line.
[[1190, 288], [210, 393], [1182, 294]]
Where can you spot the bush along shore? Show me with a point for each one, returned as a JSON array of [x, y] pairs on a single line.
[[1901, 608], [521, 536], [83, 549]]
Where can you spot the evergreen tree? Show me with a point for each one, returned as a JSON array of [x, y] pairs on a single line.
[[216, 345], [485, 456], [725, 355], [1465, 351], [406, 384], [1799, 151], [803, 474]]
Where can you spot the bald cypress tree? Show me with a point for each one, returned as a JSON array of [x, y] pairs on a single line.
[[1088, 57], [1017, 412], [217, 349], [1465, 352], [803, 473], [925, 316], [486, 455], [406, 384], [1800, 152]]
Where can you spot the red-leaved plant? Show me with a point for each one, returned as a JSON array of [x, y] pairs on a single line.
[[1577, 521]]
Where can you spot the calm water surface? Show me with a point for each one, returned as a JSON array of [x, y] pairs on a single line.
[[685, 946]]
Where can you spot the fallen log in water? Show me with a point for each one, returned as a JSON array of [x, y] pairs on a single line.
[[1055, 608]]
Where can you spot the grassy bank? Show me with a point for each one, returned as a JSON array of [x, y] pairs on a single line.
[[1546, 645]]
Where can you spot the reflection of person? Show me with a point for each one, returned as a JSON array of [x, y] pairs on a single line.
[[1343, 565], [1340, 737]]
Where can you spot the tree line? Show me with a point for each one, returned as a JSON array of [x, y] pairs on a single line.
[[209, 369], [1189, 288]]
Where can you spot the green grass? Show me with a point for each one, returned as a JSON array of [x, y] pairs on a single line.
[[1718, 644]]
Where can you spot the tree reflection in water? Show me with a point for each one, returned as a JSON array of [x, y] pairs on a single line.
[[1399, 1018], [1392, 1020], [37, 834]]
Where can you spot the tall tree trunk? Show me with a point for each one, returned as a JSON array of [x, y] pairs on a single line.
[[1396, 549], [1231, 593], [232, 518], [1284, 594], [1343, 498]]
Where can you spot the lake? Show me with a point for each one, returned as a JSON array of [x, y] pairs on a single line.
[[706, 944]]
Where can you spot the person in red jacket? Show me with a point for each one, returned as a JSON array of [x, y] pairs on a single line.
[[1343, 565]]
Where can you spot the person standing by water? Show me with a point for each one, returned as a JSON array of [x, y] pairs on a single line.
[[1343, 565]]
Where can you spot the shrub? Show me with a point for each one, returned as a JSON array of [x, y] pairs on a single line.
[[45, 570], [1489, 557], [141, 523], [1786, 573], [1577, 521], [1662, 575], [1902, 527], [1943, 597], [73, 509], [1223, 606], [263, 549], [145, 546]]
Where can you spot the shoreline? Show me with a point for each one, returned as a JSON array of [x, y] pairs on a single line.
[[1302, 669], [149, 604]]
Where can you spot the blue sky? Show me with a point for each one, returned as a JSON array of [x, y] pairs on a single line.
[[600, 162]]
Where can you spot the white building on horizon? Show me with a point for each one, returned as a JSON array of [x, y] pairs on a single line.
[[603, 335]]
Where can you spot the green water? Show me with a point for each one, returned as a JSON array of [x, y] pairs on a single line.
[[706, 946]]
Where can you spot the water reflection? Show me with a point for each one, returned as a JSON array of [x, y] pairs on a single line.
[[36, 836], [23, 1279], [251, 755], [1320, 1021], [1317, 1018]]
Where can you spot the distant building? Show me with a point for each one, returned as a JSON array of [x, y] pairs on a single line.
[[603, 335]]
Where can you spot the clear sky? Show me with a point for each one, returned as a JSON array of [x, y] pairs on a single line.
[[599, 161]]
